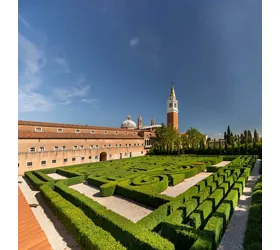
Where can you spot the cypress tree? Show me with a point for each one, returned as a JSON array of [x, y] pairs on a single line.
[[242, 139], [250, 138], [220, 147], [238, 145], [256, 136], [228, 134]]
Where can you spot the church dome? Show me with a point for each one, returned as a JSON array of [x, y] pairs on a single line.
[[128, 123]]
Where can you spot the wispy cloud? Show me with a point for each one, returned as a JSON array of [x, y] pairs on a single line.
[[31, 81], [66, 96], [134, 42], [32, 60], [63, 63], [93, 100], [24, 21]]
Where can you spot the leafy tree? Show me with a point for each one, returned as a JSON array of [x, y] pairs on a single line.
[[214, 143], [238, 145], [242, 139], [228, 135], [250, 138], [194, 137], [220, 147], [256, 136]]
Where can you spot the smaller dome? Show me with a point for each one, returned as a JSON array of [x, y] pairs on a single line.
[[128, 123]]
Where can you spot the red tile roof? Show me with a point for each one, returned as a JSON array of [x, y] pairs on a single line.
[[63, 125], [54, 135], [30, 234]]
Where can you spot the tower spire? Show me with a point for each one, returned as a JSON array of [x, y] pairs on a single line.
[[172, 92]]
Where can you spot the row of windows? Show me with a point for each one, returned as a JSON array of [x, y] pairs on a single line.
[[60, 130], [148, 142], [44, 162], [56, 148]]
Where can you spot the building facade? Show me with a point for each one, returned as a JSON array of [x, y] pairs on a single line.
[[47, 145]]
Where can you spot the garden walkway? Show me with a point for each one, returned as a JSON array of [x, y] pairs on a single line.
[[56, 233], [127, 208], [222, 163], [174, 191], [234, 236]]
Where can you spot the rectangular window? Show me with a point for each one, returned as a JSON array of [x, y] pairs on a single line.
[[42, 149], [134, 144], [125, 154], [125, 133], [105, 146], [53, 161], [105, 132], [63, 147], [43, 163], [170, 105], [142, 144], [82, 158], [29, 164], [92, 131], [75, 147], [96, 157], [110, 155], [78, 131], [55, 148], [59, 130], [120, 155], [120, 145], [81, 147], [116, 145], [126, 145], [109, 145], [96, 146], [129, 145], [38, 129], [91, 146], [73, 159], [65, 160], [90, 157], [141, 152], [32, 149]]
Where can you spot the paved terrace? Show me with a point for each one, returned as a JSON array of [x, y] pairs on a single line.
[[30, 234]]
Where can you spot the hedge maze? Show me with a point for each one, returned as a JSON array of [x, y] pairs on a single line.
[[195, 219]]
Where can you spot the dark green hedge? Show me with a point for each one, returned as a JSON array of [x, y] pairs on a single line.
[[253, 234], [72, 181], [121, 228], [87, 234], [44, 177], [35, 181], [204, 211]]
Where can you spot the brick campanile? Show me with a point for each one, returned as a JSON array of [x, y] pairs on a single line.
[[172, 109]]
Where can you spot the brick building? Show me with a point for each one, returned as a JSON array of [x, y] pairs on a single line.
[[47, 145]]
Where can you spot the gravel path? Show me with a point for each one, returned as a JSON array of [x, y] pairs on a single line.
[[234, 236], [174, 191], [222, 163], [120, 205], [56, 176], [57, 234]]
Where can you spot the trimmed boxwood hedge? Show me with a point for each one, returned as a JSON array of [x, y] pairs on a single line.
[[204, 211], [35, 181], [87, 234], [253, 234], [43, 176], [121, 228]]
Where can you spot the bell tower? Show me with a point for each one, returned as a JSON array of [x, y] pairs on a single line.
[[140, 122], [172, 109]]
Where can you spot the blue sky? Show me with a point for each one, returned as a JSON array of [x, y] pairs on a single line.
[[95, 62]]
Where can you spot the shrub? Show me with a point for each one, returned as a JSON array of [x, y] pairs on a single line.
[[72, 181], [121, 228], [253, 234], [87, 234], [204, 211], [212, 168], [182, 236], [43, 176], [108, 189], [35, 181], [66, 173], [177, 178]]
